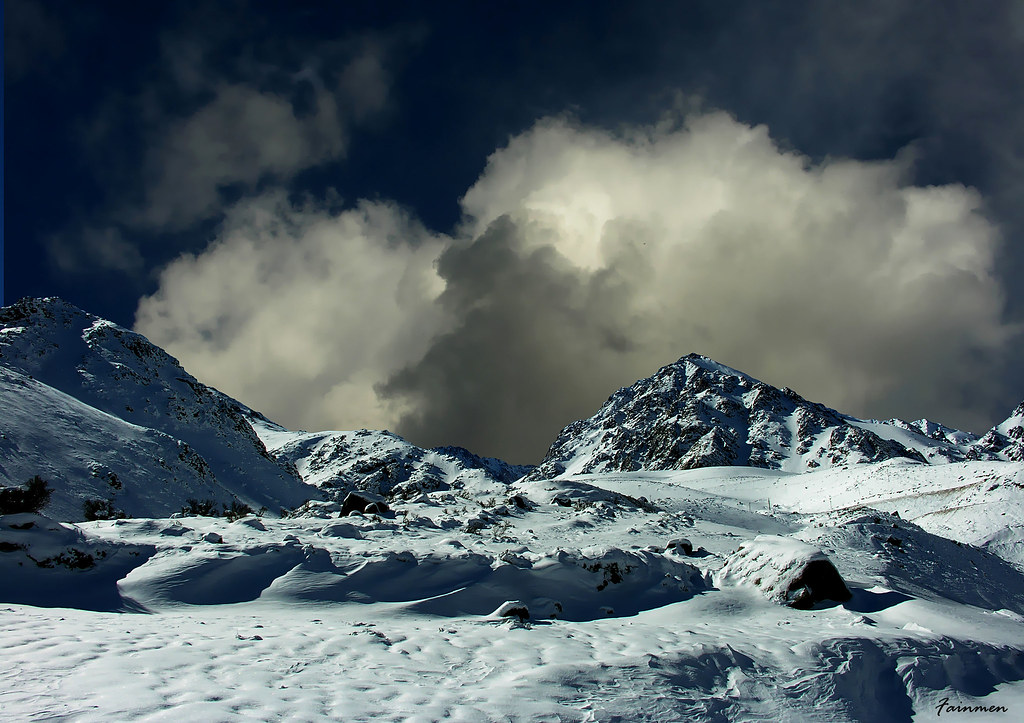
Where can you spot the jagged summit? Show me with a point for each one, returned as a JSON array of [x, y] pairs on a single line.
[[697, 412]]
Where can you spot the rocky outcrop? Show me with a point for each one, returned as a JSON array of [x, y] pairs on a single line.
[[1007, 438]]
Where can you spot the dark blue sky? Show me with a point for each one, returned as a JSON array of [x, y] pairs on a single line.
[[98, 201]]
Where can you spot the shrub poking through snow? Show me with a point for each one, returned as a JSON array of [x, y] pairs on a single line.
[[200, 508], [786, 571], [237, 510], [98, 509], [31, 498]]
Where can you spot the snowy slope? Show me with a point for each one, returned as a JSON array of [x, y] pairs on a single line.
[[81, 397], [980, 503], [86, 454], [699, 413]]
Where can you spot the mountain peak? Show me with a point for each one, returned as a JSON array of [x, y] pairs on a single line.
[[697, 412], [33, 310]]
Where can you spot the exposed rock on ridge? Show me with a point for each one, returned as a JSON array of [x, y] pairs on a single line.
[[1007, 438]]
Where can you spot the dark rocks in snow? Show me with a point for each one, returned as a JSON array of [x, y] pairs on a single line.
[[520, 503], [817, 581], [363, 502], [680, 544]]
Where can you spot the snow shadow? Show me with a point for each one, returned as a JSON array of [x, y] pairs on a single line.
[[46, 563], [870, 601], [229, 577]]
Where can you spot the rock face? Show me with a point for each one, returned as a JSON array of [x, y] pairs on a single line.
[[785, 571], [103, 414], [698, 413]]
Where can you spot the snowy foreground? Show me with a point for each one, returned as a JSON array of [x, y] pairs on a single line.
[[394, 617]]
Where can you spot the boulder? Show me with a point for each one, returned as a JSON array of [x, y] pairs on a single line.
[[681, 544], [786, 571], [363, 502]]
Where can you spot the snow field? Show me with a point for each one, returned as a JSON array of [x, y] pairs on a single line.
[[388, 618]]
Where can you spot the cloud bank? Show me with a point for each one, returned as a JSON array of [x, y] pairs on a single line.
[[585, 260]]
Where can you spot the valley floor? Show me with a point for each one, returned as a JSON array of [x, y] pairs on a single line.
[[389, 618]]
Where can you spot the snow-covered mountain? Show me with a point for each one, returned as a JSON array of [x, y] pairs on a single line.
[[383, 463], [699, 413], [108, 417]]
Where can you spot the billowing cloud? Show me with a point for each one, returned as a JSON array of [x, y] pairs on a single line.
[[300, 309], [240, 137], [586, 260]]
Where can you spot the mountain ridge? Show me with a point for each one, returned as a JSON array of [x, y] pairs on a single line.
[[110, 418], [64, 372]]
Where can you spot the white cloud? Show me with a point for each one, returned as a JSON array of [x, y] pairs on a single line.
[[300, 310]]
